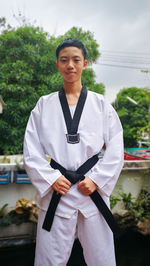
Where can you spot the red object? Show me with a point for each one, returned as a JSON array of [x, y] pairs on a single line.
[[132, 157]]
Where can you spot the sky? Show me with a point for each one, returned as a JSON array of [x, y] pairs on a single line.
[[120, 27]]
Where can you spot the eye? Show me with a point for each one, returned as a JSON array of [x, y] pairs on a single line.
[[63, 60], [77, 60]]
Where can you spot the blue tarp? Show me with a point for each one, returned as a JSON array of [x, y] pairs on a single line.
[[129, 150]]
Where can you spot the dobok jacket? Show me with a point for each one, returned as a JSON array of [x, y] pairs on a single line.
[[46, 135]]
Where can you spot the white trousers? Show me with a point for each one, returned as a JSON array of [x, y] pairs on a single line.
[[54, 248]]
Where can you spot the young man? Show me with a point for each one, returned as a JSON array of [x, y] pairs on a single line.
[[72, 126]]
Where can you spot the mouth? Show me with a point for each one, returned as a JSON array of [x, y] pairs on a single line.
[[70, 73]]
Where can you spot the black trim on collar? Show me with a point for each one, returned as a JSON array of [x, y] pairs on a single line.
[[72, 123]]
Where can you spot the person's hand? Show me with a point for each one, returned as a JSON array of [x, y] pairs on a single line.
[[87, 186], [61, 185]]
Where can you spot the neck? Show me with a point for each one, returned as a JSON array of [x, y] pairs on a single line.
[[72, 88], [72, 91]]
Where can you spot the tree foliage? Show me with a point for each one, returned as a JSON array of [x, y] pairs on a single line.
[[27, 71], [133, 116]]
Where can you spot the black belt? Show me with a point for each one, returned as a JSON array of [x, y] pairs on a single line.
[[74, 177]]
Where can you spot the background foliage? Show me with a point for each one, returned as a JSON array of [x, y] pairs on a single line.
[[28, 70], [133, 117]]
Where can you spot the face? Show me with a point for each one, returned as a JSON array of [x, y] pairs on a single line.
[[71, 63]]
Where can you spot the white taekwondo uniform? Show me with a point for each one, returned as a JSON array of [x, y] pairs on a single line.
[[46, 135]]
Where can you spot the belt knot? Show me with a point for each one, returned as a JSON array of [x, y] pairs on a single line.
[[73, 176]]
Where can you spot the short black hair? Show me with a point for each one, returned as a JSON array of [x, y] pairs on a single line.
[[71, 42]]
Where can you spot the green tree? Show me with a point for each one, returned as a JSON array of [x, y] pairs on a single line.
[[133, 116], [27, 71]]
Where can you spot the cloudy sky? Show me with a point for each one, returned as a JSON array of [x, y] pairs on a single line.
[[121, 28]]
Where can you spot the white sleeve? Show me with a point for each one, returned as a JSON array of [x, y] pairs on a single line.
[[106, 172], [41, 174]]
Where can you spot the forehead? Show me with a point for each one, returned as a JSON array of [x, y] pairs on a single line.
[[71, 51]]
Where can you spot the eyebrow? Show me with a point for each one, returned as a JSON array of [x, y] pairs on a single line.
[[75, 56]]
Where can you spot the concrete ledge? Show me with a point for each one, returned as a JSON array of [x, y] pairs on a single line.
[[13, 231]]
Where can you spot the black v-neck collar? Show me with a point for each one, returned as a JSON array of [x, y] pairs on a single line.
[[72, 123]]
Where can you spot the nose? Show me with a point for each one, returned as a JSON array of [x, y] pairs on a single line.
[[70, 64]]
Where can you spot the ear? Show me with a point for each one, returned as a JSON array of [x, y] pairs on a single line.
[[85, 64], [57, 65]]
